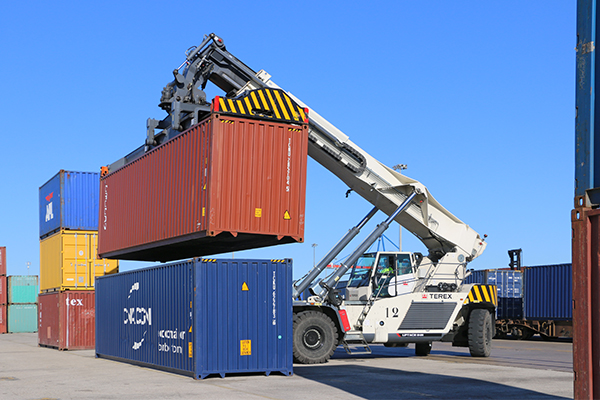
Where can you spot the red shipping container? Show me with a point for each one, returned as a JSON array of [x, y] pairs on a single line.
[[2, 261], [67, 320], [3, 319], [226, 184], [3, 290]]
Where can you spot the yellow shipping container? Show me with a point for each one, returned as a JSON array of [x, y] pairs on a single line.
[[68, 261]]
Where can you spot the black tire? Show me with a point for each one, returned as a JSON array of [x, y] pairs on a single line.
[[315, 337], [423, 349], [481, 332]]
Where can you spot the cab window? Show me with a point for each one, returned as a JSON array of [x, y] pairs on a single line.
[[403, 264], [361, 271]]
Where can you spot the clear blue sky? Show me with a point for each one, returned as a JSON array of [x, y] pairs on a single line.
[[477, 97]]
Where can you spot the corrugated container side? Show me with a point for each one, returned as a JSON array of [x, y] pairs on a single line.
[[69, 261], [3, 318], [226, 184], [509, 308], [67, 320], [549, 292], [3, 290], [22, 318], [2, 261], [22, 289], [199, 317], [479, 276], [69, 200], [150, 311], [508, 282]]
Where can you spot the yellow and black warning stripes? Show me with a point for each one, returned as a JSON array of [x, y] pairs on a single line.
[[209, 260], [263, 103], [275, 261], [483, 294]]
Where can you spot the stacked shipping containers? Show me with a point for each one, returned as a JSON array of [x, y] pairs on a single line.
[[69, 262], [22, 303], [3, 292]]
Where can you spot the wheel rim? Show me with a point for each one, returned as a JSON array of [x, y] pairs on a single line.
[[312, 338]]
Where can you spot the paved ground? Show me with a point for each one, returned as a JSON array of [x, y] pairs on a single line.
[[31, 372]]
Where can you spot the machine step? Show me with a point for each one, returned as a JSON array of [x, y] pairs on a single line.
[[355, 343]]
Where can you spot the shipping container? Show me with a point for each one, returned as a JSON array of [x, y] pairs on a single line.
[[509, 282], [67, 320], [224, 185], [69, 261], [3, 290], [549, 292], [3, 318], [477, 276], [199, 317], [22, 318], [509, 308], [22, 289], [69, 200], [2, 261]]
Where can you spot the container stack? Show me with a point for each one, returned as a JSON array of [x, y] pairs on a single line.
[[22, 303], [69, 262], [3, 292]]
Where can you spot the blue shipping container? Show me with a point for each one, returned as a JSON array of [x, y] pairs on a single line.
[[549, 292], [199, 317], [479, 276], [69, 201], [509, 282], [509, 308]]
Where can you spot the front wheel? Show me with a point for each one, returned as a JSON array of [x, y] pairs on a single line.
[[315, 337], [481, 331]]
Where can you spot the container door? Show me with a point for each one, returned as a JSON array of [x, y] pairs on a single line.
[[99, 266], [76, 260]]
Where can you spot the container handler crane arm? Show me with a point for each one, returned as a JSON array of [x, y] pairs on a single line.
[[437, 305], [386, 189]]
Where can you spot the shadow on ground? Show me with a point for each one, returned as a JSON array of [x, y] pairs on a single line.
[[382, 383]]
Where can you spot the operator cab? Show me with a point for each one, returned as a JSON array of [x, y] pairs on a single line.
[[387, 274]]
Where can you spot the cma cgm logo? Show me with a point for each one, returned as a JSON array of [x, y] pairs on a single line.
[[137, 316], [49, 213]]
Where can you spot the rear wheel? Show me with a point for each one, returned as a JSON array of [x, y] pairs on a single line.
[[423, 349], [315, 337], [481, 331]]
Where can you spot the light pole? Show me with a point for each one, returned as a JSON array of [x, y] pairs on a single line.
[[399, 168], [314, 246]]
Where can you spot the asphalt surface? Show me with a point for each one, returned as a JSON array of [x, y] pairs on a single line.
[[30, 372]]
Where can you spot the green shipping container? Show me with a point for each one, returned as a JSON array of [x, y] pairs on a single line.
[[22, 289], [22, 318]]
